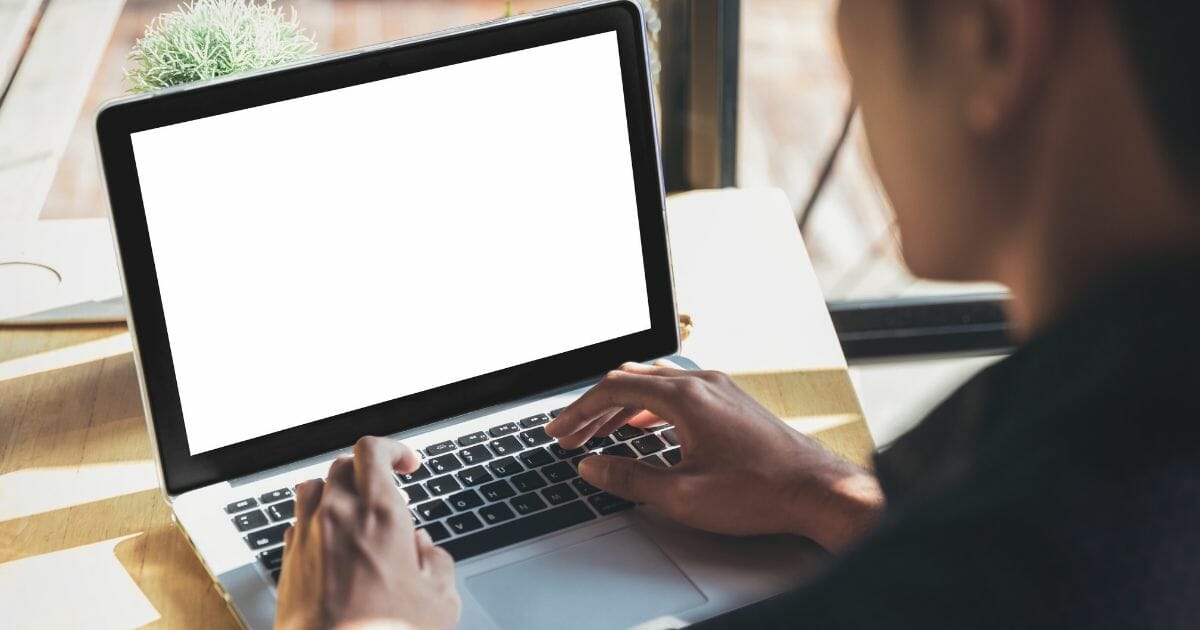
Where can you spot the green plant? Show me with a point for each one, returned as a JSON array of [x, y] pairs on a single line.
[[212, 38]]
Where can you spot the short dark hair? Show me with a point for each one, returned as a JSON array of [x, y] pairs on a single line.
[[1163, 43]]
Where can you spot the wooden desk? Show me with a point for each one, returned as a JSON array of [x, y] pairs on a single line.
[[85, 537], [86, 540]]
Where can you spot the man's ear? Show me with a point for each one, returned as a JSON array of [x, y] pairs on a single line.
[[1007, 45]]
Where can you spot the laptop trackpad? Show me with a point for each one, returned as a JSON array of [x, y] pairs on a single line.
[[569, 587]]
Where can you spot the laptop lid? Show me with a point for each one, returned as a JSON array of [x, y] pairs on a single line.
[[373, 241]]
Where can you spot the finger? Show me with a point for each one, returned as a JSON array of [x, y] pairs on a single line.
[[585, 432], [341, 473], [658, 368], [617, 390], [627, 478], [646, 420], [435, 561], [308, 495], [618, 420], [423, 544], [339, 507], [375, 460]]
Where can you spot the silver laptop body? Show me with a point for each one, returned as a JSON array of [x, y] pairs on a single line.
[[296, 300]]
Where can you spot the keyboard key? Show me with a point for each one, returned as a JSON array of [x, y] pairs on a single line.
[[670, 436], [626, 432], [267, 537], [442, 485], [648, 444], [554, 414], [506, 445], [444, 464], [504, 429], [436, 531], [413, 514], [276, 495], [559, 493], [282, 511], [474, 438], [467, 500], [606, 503], [416, 493], [536, 458], [440, 448], [474, 476], [583, 487], [505, 466], [433, 510], [620, 450], [519, 530], [496, 513], [249, 520], [598, 442], [528, 503], [475, 455], [562, 453], [654, 460], [416, 475], [527, 481], [673, 456], [497, 491], [561, 471], [240, 506], [575, 462], [463, 523], [272, 559], [535, 437], [533, 421], [275, 575]]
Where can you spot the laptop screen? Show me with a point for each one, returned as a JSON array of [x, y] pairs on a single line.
[[330, 252]]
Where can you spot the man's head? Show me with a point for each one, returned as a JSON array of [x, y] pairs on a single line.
[[998, 126]]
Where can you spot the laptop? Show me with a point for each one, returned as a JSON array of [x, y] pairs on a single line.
[[445, 240]]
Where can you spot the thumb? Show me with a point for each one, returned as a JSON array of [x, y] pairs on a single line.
[[626, 478]]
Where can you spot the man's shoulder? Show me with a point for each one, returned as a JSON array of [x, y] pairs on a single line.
[[1082, 550]]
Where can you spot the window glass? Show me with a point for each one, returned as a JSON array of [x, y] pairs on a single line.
[[793, 93]]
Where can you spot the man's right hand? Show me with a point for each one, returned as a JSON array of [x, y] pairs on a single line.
[[743, 470]]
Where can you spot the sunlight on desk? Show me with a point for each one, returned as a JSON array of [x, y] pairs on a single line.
[[66, 357], [36, 490], [84, 586]]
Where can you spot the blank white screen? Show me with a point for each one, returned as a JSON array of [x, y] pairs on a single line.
[[331, 252]]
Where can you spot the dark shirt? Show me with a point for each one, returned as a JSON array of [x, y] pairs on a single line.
[[1058, 489]]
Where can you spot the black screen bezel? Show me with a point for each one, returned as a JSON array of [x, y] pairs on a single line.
[[183, 471]]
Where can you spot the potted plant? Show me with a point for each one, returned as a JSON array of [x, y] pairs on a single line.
[[211, 38]]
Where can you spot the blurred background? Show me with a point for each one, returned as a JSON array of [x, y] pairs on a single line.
[[751, 93]]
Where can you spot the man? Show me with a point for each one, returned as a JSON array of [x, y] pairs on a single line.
[[1051, 145]]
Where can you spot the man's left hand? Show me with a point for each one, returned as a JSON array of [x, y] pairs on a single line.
[[353, 559]]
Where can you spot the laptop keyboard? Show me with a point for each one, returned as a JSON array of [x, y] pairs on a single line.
[[483, 491]]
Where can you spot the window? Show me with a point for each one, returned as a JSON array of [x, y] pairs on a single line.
[[755, 95]]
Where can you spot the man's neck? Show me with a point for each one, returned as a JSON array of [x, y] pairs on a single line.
[[1048, 286]]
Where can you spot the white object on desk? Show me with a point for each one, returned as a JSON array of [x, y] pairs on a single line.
[[743, 274], [54, 272], [51, 271]]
